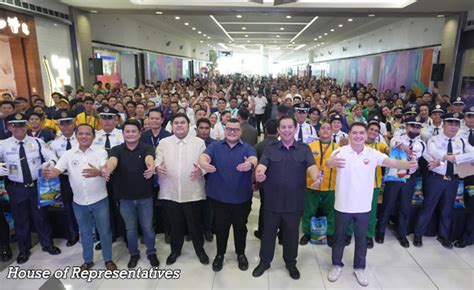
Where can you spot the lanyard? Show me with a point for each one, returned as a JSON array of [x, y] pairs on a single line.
[[323, 152]]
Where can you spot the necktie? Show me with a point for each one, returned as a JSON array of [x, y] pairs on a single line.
[[300, 134], [471, 137], [436, 131], [410, 145], [334, 138], [450, 165], [107, 141], [68, 144], [25, 169]]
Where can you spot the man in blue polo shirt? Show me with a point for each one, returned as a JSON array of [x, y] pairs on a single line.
[[229, 186]]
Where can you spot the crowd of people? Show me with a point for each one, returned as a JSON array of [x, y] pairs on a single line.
[[186, 156]]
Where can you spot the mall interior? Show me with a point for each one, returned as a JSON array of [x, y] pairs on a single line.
[[280, 48]]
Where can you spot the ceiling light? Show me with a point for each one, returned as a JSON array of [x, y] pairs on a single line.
[[239, 16], [371, 15], [194, 28], [332, 30], [208, 37], [278, 36], [440, 16], [320, 36], [199, 32], [248, 41], [221, 27], [318, 44], [186, 24], [299, 47], [325, 33], [282, 28], [246, 35], [94, 11], [288, 16], [177, 18], [244, 28], [350, 19], [304, 28], [204, 35], [340, 25], [159, 12], [322, 43], [201, 41], [315, 39]]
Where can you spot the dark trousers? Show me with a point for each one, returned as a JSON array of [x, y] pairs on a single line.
[[67, 196], [4, 229], [207, 215], [289, 224], [260, 211], [393, 192], [24, 205], [469, 230], [437, 191], [260, 120], [361, 225], [185, 215], [235, 215]]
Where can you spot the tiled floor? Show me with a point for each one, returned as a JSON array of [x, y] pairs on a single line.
[[389, 267]]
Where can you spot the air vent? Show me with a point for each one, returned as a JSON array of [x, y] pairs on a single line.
[[35, 9]]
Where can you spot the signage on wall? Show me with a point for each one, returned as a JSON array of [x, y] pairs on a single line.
[[13, 26]]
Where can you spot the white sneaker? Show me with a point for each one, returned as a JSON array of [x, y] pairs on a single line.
[[361, 277], [334, 274]]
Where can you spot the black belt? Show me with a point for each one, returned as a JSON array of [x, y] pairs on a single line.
[[19, 184], [445, 177]]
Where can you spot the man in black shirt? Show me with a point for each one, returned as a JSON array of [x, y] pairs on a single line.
[[132, 162]]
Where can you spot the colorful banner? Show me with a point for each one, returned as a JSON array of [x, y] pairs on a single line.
[[110, 65], [161, 67], [411, 68]]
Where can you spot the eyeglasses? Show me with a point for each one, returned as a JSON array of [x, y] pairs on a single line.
[[232, 130]]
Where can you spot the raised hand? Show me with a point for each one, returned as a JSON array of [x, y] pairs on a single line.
[[245, 166], [335, 161]]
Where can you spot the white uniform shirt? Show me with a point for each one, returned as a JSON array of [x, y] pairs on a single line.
[[58, 146], [430, 131], [419, 147], [338, 135], [309, 133], [179, 156], [10, 153], [355, 182], [438, 148], [260, 104], [86, 191], [217, 133], [116, 138]]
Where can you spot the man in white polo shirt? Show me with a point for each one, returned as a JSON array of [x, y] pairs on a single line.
[[355, 179]]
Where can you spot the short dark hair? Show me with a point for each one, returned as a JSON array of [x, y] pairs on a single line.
[[222, 99], [180, 115], [11, 103], [243, 114], [131, 102], [286, 118], [311, 110], [375, 124], [282, 109], [203, 120], [156, 110], [84, 125], [132, 122], [361, 124], [271, 127], [233, 120]]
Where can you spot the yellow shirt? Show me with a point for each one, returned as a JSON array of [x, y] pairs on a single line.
[[91, 120], [321, 153], [380, 146]]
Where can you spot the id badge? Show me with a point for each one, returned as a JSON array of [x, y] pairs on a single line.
[[13, 169]]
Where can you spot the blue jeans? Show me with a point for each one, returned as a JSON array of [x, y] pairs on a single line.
[[88, 217], [133, 211]]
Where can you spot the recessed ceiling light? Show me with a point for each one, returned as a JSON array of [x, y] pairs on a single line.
[[159, 12], [350, 19], [440, 16], [208, 37], [94, 11], [239, 16], [278, 36], [340, 25], [282, 28], [315, 38], [204, 35], [320, 36], [322, 43], [244, 28], [318, 44], [288, 16], [186, 24], [248, 41], [332, 30], [177, 18], [194, 28], [325, 33], [201, 41], [371, 15], [199, 32], [246, 35]]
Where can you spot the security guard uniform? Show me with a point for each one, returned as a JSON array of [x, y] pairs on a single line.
[[442, 183], [22, 159], [324, 193], [432, 130], [60, 145], [304, 132], [401, 191], [336, 136], [109, 140], [407, 112]]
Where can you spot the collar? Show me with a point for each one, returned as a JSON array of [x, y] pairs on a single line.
[[185, 140], [223, 141], [351, 150], [124, 145], [18, 141], [78, 150], [446, 138], [295, 145]]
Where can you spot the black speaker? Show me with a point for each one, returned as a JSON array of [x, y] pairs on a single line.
[[95, 66], [437, 72]]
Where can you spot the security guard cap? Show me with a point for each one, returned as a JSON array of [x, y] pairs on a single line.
[[62, 116], [453, 117], [17, 119], [301, 108], [459, 101], [469, 110], [437, 109], [374, 120], [414, 121], [336, 117], [413, 110], [106, 112]]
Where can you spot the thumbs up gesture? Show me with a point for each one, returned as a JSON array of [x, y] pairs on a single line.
[[245, 166]]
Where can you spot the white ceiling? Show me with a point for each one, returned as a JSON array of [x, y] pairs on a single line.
[[268, 24]]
